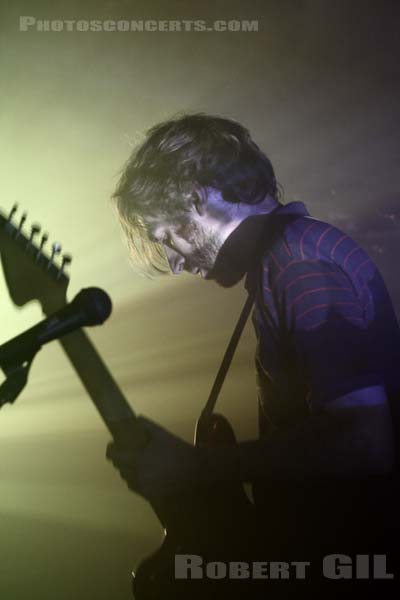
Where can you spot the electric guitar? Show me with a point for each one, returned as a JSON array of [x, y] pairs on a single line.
[[215, 523]]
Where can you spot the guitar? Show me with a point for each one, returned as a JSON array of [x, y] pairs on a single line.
[[203, 522]]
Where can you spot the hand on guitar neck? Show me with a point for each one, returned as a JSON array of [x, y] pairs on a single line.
[[166, 465]]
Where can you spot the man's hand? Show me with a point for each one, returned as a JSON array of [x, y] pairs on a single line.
[[165, 466]]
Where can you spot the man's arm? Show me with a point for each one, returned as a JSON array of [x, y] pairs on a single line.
[[344, 441], [341, 443]]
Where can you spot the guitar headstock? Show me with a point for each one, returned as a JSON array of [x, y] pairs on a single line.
[[30, 272]]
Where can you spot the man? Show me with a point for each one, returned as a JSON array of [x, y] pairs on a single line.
[[199, 192]]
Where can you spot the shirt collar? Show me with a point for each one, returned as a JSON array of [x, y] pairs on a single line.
[[292, 208], [241, 249]]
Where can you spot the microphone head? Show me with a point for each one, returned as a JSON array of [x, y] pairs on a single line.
[[95, 304]]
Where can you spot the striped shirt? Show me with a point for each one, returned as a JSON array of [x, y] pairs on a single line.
[[324, 321]]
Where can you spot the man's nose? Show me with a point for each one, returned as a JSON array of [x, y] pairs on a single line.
[[175, 260]]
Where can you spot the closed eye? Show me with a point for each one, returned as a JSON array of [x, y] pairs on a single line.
[[165, 240]]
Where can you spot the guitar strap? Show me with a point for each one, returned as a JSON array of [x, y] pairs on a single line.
[[275, 225]]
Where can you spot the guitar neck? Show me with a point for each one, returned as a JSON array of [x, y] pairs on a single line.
[[111, 404]]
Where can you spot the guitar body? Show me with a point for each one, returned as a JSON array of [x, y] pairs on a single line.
[[215, 523]]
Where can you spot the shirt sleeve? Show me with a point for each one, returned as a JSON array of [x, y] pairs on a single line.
[[326, 331]]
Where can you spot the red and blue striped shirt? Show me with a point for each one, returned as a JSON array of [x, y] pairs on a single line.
[[324, 321]]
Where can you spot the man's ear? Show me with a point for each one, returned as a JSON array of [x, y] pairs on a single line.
[[200, 200]]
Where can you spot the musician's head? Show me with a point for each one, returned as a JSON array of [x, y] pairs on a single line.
[[187, 187]]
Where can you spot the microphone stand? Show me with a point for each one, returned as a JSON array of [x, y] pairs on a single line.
[[16, 378]]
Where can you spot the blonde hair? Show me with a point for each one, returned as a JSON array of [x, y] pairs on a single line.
[[178, 155]]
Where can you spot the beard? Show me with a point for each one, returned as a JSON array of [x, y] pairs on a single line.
[[205, 245], [212, 254]]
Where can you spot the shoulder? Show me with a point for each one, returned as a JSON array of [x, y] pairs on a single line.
[[298, 245], [307, 243]]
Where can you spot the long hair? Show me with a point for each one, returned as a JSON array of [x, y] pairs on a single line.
[[160, 176]]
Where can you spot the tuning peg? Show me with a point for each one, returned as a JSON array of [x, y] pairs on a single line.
[[35, 229], [66, 260], [21, 222], [55, 249], [12, 212], [44, 239]]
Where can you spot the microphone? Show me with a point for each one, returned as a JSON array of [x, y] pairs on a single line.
[[91, 306]]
